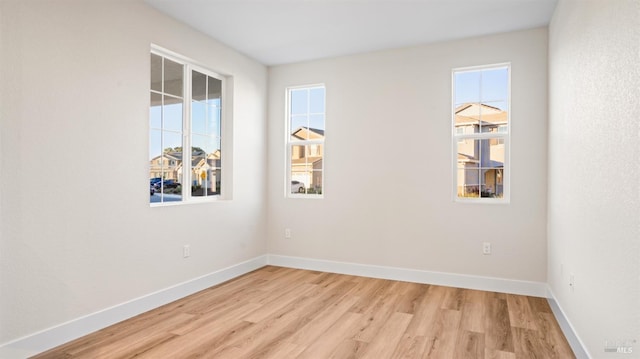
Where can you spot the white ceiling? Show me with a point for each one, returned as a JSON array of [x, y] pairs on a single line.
[[285, 31]]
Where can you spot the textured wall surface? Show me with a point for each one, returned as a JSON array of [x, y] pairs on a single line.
[[78, 234], [388, 171], [594, 173]]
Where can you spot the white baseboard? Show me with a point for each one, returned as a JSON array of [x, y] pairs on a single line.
[[578, 347], [535, 289], [60, 334]]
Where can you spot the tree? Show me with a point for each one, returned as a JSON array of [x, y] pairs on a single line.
[[194, 150]]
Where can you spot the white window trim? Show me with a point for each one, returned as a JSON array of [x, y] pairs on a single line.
[[225, 129], [289, 143], [505, 136]]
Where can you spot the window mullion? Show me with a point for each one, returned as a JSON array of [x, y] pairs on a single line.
[[186, 133]]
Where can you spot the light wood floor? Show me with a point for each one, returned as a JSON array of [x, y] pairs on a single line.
[[288, 313]]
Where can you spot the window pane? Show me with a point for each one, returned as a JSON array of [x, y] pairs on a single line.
[[172, 143], [299, 169], [156, 73], [468, 152], [316, 183], [214, 93], [198, 117], [299, 125], [169, 186], [173, 78], [205, 140], [494, 114], [213, 121], [299, 99], [205, 166], [205, 144], [491, 153], [215, 161], [155, 111], [495, 85], [172, 113], [155, 163], [316, 100], [298, 155], [198, 86], [314, 164], [155, 144], [482, 153], [316, 122], [467, 87], [306, 168], [480, 168], [467, 117], [468, 182], [491, 186]]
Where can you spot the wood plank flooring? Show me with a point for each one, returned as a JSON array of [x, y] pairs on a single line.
[[279, 312]]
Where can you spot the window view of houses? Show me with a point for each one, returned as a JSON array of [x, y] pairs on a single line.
[[480, 161], [306, 117], [175, 174], [167, 173], [480, 131], [306, 162]]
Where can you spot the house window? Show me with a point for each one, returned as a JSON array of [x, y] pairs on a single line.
[[305, 141], [480, 128], [185, 121]]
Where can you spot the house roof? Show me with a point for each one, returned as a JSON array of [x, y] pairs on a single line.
[[304, 133], [466, 158], [177, 156], [473, 113]]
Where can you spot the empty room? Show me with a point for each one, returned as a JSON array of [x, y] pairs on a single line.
[[327, 179]]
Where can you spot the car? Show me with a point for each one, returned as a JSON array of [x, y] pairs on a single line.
[[159, 183], [297, 187], [170, 183]]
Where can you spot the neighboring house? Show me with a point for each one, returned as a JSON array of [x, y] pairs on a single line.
[[306, 161], [166, 166], [480, 162], [206, 170]]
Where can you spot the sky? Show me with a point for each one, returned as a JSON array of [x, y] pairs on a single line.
[[490, 86], [307, 108]]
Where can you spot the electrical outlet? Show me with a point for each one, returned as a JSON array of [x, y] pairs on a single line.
[[287, 233], [486, 248], [186, 251]]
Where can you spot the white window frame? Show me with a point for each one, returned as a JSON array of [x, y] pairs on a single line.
[[190, 65], [500, 135], [289, 143]]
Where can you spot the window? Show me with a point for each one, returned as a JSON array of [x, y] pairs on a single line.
[[480, 129], [305, 141], [185, 122]]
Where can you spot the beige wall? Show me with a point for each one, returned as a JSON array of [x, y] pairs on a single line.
[[78, 234], [393, 205], [594, 176]]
